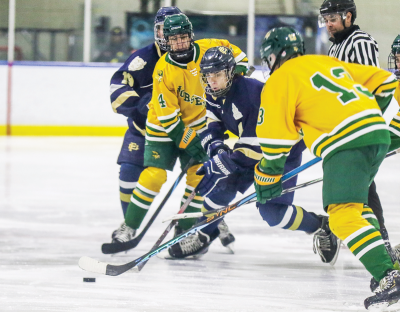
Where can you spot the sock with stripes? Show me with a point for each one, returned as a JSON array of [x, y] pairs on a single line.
[[128, 177], [147, 188], [292, 217], [347, 222], [192, 180]]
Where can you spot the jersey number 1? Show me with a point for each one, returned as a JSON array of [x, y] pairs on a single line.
[[319, 81]]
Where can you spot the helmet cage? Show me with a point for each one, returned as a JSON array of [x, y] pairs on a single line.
[[392, 62], [228, 75], [180, 53], [160, 40], [162, 13]]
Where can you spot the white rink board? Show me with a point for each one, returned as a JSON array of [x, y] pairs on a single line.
[[59, 200]]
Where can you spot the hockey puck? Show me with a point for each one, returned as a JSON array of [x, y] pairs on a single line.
[[89, 279]]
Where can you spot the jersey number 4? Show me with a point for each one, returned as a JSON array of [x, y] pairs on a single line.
[[346, 96], [161, 101]]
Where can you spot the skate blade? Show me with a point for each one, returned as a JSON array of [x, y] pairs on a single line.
[[378, 307], [230, 248], [165, 255]]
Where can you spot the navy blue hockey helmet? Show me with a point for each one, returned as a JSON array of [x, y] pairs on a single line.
[[217, 70], [159, 24]]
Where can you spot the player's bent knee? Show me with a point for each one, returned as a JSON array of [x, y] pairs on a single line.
[[153, 178], [345, 219]]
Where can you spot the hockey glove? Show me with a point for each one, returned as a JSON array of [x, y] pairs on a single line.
[[217, 147], [190, 142], [267, 186], [215, 172]]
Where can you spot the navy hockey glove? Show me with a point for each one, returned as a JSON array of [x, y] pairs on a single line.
[[267, 186], [215, 171], [217, 147], [190, 142]]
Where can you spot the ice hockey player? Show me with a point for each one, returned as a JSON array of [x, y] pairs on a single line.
[[394, 127], [338, 106], [233, 103], [131, 88], [176, 114]]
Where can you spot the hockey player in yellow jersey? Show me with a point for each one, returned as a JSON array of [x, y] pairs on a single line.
[[176, 114], [394, 66], [337, 108]]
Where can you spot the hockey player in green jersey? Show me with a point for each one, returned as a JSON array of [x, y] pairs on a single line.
[[338, 108]]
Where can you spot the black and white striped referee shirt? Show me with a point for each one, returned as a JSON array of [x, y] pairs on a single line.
[[355, 46]]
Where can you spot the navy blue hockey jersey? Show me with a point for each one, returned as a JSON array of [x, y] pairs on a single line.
[[238, 113], [132, 85]]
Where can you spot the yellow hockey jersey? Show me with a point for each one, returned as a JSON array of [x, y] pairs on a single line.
[[178, 95], [333, 104], [394, 125]]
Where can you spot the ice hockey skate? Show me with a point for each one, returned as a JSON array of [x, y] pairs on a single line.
[[387, 294], [326, 244], [192, 247], [123, 234], [226, 237]]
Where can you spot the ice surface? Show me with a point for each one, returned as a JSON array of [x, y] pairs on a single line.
[[59, 200]]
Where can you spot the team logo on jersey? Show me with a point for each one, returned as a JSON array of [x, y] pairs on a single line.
[[194, 99], [160, 75], [137, 64], [133, 147], [155, 155]]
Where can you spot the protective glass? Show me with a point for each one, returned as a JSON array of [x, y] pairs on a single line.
[[324, 19]]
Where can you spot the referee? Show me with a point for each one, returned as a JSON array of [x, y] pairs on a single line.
[[352, 45]]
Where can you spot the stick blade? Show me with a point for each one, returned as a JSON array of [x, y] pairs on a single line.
[[92, 265]]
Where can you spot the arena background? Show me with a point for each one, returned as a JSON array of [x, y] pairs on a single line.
[[54, 88]]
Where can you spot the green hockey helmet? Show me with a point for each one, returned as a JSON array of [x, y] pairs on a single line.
[[175, 25], [279, 45], [394, 51]]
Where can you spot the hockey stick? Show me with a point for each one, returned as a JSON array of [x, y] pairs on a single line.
[[92, 265], [251, 200], [286, 177], [111, 248], [169, 227], [95, 266]]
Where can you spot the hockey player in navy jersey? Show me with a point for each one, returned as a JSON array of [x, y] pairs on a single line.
[[233, 104], [130, 91]]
